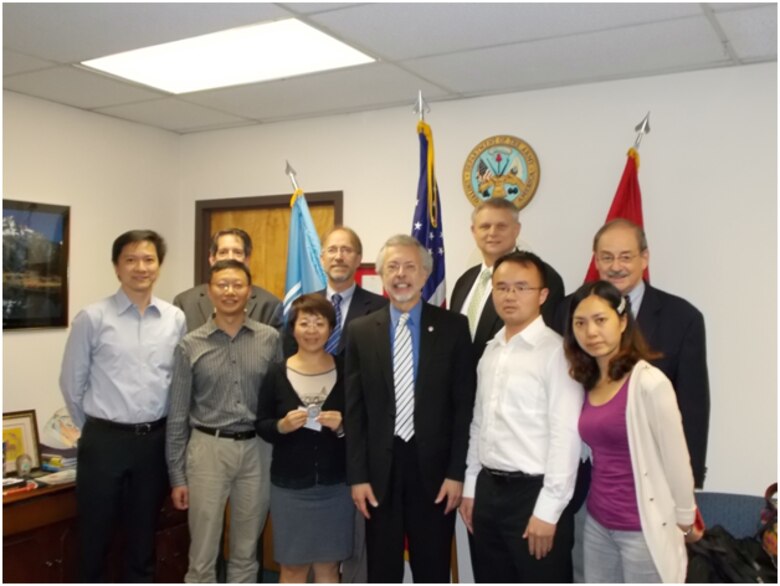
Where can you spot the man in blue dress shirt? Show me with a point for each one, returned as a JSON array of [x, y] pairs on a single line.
[[115, 377]]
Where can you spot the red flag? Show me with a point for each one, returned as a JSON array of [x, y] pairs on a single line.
[[626, 204]]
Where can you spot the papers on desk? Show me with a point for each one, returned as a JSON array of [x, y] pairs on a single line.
[[61, 477]]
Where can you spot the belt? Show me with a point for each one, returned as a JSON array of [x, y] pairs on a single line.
[[505, 475], [234, 435], [136, 428]]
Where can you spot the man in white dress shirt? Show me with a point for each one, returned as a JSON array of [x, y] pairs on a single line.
[[524, 446]]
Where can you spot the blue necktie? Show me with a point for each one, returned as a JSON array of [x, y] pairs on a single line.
[[335, 335]]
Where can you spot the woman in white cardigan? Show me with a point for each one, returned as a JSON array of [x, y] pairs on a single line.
[[641, 507]]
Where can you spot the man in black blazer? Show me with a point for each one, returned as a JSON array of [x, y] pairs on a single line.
[[495, 227], [409, 399], [342, 253], [232, 243], [670, 324]]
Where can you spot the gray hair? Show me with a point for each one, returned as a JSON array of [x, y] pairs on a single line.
[[496, 203], [404, 240]]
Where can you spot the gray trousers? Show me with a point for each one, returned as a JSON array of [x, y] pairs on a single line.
[[219, 469], [355, 569]]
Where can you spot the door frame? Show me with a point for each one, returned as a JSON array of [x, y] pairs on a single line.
[[204, 208]]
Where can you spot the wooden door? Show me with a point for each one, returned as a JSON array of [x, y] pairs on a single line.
[[267, 221]]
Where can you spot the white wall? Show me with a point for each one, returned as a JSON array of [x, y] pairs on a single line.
[[115, 177], [708, 176]]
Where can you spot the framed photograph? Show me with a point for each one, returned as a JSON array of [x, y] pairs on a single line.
[[20, 436], [35, 265]]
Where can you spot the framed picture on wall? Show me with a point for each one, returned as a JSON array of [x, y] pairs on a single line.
[[35, 265], [20, 436]]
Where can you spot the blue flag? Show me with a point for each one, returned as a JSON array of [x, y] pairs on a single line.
[[304, 271], [427, 227]]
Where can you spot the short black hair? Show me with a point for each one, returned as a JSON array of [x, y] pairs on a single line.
[[133, 236], [312, 303], [245, 238], [230, 263], [524, 258]]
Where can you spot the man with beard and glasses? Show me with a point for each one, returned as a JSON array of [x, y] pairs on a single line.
[[410, 381], [670, 324]]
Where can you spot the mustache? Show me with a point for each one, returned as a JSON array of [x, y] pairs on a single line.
[[617, 274]]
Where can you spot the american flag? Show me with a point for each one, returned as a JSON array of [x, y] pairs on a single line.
[[427, 227]]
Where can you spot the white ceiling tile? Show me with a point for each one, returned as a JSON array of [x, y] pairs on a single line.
[[631, 51], [18, 63], [314, 7], [752, 33], [376, 85], [172, 114], [402, 31], [72, 32], [76, 87], [729, 6]]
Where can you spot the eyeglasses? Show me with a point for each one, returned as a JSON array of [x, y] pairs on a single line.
[[395, 268], [344, 250], [623, 258], [224, 286], [507, 289]]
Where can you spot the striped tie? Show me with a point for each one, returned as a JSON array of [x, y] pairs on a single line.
[[335, 335], [403, 376], [476, 301]]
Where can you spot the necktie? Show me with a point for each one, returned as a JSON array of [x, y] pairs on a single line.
[[476, 301], [403, 377], [333, 341]]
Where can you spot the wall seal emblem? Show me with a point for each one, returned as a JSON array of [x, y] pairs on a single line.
[[501, 166]]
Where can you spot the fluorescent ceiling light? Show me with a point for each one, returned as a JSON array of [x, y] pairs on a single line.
[[261, 52]]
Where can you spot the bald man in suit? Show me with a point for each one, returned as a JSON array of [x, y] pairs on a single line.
[[495, 227]]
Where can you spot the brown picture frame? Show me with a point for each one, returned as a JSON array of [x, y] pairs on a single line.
[[20, 436]]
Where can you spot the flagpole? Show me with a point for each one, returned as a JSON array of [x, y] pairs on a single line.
[[421, 106], [642, 128], [290, 172]]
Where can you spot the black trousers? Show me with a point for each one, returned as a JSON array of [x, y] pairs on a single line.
[[121, 478], [408, 510], [502, 508]]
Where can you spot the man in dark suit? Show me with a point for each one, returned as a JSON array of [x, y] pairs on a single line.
[[410, 383], [232, 243], [495, 227], [342, 253], [670, 324]]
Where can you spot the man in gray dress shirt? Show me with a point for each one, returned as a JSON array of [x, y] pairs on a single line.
[[212, 449]]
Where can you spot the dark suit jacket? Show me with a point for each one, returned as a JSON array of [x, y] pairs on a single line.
[[489, 322], [443, 402], [674, 327], [363, 302], [197, 307]]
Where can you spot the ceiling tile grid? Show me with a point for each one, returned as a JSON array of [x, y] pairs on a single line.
[[446, 50]]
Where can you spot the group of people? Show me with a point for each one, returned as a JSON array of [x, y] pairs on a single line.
[[365, 422]]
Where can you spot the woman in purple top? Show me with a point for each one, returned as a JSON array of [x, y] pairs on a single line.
[[640, 506]]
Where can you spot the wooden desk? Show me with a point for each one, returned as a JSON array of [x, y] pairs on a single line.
[[40, 539]]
